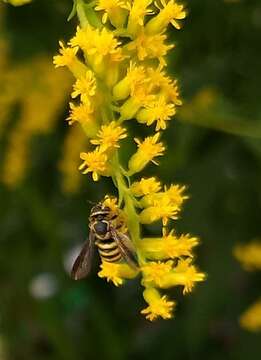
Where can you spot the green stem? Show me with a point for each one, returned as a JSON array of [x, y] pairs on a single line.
[[86, 14], [80, 8], [132, 216]]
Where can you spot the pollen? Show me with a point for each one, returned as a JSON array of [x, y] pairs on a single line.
[[109, 136], [94, 162]]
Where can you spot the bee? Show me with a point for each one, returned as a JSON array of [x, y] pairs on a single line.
[[108, 233]]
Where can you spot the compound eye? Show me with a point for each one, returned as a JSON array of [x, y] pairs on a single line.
[[101, 228]]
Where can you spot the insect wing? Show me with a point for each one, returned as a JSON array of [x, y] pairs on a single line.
[[83, 262], [126, 248]]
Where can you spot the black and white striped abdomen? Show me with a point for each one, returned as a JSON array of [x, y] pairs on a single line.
[[108, 250]]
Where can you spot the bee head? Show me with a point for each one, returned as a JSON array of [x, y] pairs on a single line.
[[100, 209]]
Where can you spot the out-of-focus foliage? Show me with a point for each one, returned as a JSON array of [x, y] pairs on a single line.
[[217, 57]]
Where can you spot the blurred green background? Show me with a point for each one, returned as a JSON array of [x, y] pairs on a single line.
[[213, 146]]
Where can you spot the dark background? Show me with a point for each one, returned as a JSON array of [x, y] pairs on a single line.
[[217, 61]]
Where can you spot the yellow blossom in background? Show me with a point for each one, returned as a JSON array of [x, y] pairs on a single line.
[[118, 57], [39, 108], [74, 141], [251, 318], [249, 255], [17, 2]]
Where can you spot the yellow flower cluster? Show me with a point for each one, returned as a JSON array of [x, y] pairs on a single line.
[[249, 256], [118, 58]]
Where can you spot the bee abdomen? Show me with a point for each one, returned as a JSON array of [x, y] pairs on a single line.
[[108, 251], [111, 258]]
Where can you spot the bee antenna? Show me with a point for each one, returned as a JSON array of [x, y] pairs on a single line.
[[91, 202]]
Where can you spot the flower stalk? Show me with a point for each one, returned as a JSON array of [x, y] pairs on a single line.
[[120, 76]]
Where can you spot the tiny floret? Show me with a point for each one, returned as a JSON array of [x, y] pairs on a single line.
[[85, 87], [67, 56], [94, 162], [109, 136]]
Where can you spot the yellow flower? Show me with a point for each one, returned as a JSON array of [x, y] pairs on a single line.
[[95, 162], [249, 255], [83, 114], [150, 47], [251, 318], [166, 86], [67, 57], [148, 149], [183, 274], [170, 13], [100, 47], [145, 186], [121, 77], [158, 306], [135, 77], [168, 247], [113, 10], [175, 195], [156, 271], [163, 209], [137, 12], [159, 111], [116, 272], [109, 136], [85, 86], [140, 96]]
